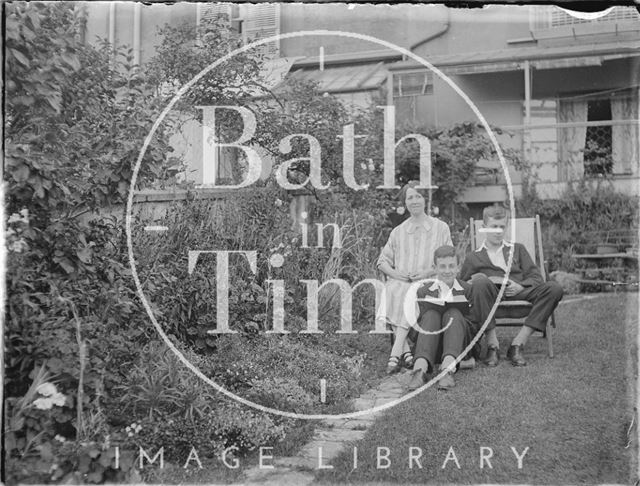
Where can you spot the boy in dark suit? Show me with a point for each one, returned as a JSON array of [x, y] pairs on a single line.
[[487, 266], [444, 329]]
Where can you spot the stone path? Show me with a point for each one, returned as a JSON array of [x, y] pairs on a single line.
[[330, 436]]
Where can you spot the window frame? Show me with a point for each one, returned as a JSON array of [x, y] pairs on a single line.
[[428, 87]]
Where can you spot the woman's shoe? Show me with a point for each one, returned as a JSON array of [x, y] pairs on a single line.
[[416, 380], [393, 365], [407, 360]]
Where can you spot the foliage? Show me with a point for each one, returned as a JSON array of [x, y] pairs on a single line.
[[160, 385], [583, 209], [76, 115], [184, 52], [74, 118], [598, 158], [93, 462]]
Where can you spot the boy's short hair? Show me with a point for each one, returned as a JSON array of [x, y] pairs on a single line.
[[494, 212], [443, 252], [402, 195]]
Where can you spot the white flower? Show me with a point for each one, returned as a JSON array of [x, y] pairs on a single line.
[[59, 438], [43, 403], [51, 397], [278, 202], [363, 166], [400, 210], [58, 399], [18, 246], [371, 165], [47, 389], [303, 215]]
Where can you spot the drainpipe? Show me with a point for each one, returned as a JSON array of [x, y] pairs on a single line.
[[443, 30], [112, 31], [112, 23], [527, 111], [137, 10], [635, 81]]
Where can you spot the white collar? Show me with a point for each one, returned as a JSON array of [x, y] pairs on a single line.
[[426, 223], [504, 243]]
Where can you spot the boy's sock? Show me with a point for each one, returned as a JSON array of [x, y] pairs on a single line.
[[492, 339], [522, 336], [421, 364], [448, 362]]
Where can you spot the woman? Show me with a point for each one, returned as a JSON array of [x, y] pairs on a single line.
[[407, 257]]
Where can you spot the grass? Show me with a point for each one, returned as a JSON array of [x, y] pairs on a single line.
[[573, 412]]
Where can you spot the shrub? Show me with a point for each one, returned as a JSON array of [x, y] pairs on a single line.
[[569, 222]]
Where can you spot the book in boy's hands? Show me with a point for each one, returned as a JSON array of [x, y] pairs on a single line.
[[459, 302]]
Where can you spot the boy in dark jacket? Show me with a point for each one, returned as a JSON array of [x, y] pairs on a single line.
[[444, 330], [486, 268]]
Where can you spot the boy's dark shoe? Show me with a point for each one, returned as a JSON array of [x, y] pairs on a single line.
[[446, 382], [417, 379], [493, 356], [515, 355]]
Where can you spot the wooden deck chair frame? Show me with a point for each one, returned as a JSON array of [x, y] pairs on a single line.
[[528, 233]]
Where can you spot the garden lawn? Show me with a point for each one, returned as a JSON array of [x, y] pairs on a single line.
[[572, 412]]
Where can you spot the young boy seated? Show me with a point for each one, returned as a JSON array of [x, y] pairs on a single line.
[[487, 266], [445, 329]]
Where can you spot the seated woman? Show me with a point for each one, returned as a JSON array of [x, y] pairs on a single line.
[[407, 257]]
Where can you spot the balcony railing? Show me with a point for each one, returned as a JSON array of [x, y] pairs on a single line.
[[550, 16]]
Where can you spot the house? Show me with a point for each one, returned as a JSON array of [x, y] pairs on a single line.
[[563, 89]]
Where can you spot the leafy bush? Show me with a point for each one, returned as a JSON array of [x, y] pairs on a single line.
[[569, 222]]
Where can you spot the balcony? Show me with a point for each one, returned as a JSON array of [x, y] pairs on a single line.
[[552, 25]]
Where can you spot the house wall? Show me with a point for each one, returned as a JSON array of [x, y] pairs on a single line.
[[403, 25], [151, 18], [498, 96], [500, 99]]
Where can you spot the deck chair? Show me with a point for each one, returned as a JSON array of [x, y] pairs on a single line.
[[528, 233]]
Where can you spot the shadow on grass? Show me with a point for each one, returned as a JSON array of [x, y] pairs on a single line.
[[571, 412]]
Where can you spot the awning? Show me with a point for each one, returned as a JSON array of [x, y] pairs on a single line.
[[345, 79], [512, 59]]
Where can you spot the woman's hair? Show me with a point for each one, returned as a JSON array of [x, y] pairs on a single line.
[[402, 195]]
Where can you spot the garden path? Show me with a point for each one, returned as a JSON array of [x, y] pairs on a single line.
[[332, 435]]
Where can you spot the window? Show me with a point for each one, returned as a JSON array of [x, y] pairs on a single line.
[[597, 147], [412, 84], [262, 20], [598, 134], [249, 22]]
